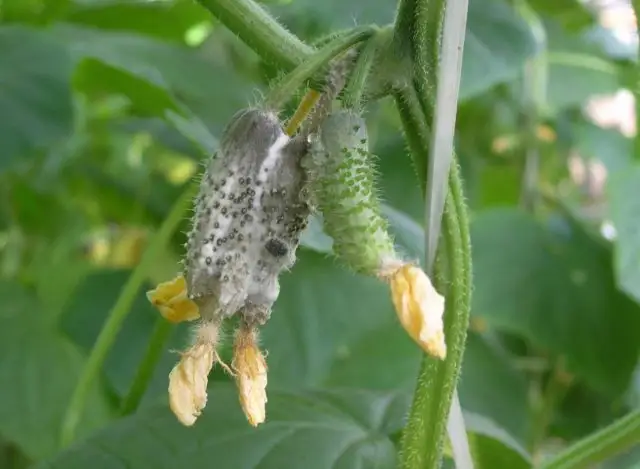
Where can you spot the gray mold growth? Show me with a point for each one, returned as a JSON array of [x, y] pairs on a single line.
[[249, 215]]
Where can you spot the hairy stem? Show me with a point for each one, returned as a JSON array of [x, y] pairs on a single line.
[[418, 28], [422, 439], [283, 90], [418, 31], [263, 34], [155, 347], [354, 91], [610, 441], [117, 316], [416, 131]]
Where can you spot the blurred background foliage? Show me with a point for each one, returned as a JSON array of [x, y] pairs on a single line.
[[108, 107]]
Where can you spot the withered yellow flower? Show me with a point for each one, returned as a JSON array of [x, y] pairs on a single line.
[[172, 301], [250, 367], [188, 379], [420, 308], [188, 383]]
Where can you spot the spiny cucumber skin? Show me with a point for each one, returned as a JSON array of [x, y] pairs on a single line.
[[248, 217], [343, 183]]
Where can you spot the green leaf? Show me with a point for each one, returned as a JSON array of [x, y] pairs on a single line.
[[314, 430], [321, 333], [628, 460], [493, 447], [164, 133], [571, 14], [609, 41], [582, 411], [609, 146], [554, 285], [315, 238], [322, 309], [496, 46], [64, 256], [164, 20], [328, 328], [29, 202], [383, 357], [85, 314], [576, 70], [624, 210], [32, 11], [38, 371], [490, 386], [398, 182], [194, 129], [35, 94], [500, 185], [408, 235], [156, 76]]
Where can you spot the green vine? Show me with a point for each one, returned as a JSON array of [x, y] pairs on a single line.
[[118, 314], [614, 439], [422, 440], [418, 30], [256, 28], [155, 347], [352, 96], [283, 90]]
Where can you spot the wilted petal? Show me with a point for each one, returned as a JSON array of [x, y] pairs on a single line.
[[420, 308], [188, 379], [251, 375], [172, 301]]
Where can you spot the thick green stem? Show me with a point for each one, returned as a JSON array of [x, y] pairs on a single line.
[[354, 91], [288, 86], [418, 30], [155, 347], [423, 436], [608, 442], [118, 314], [416, 131], [263, 34]]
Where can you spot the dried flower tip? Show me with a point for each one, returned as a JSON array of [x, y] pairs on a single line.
[[420, 308], [188, 379], [251, 375], [172, 301]]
